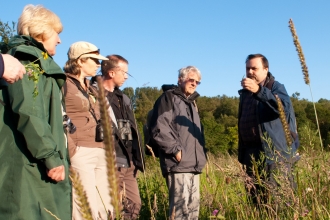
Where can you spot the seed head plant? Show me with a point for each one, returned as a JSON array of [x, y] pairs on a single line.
[[304, 70]]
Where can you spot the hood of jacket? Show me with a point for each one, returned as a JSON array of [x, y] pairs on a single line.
[[28, 45], [177, 91]]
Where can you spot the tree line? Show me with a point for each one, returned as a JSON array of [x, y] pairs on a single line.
[[219, 116]]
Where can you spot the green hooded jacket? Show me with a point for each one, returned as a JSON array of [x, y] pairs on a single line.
[[33, 140]]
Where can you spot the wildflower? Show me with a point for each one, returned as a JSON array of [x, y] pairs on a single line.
[[33, 72], [215, 212]]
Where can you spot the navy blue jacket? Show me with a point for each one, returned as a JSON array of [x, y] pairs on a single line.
[[270, 125]]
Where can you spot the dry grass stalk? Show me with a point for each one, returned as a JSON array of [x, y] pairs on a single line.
[[283, 121], [155, 207], [304, 70], [300, 52], [173, 214], [81, 195], [52, 214], [151, 151], [109, 150]]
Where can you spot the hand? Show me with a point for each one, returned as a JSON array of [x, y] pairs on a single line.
[[57, 173], [14, 70], [178, 156], [250, 84]]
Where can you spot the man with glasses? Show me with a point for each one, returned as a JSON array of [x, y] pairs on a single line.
[[129, 156], [177, 130]]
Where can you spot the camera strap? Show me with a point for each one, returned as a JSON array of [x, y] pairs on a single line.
[[86, 94]]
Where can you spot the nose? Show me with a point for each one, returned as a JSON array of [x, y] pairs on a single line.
[[59, 40], [249, 71]]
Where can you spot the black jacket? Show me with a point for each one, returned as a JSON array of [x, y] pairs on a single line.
[[134, 151]]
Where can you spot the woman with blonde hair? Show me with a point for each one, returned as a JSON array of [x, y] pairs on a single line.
[[86, 148], [33, 155]]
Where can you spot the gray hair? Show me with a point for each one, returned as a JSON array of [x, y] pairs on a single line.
[[183, 72]]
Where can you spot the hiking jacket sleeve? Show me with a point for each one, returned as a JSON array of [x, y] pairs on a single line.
[[163, 130]]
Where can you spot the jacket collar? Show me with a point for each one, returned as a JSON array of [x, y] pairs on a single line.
[[177, 91]]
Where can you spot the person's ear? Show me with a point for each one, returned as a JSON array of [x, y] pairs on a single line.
[[179, 81], [111, 73], [79, 61]]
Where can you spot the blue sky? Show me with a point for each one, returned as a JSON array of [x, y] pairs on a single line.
[[160, 37]]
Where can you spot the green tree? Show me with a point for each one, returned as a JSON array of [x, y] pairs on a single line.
[[6, 31]]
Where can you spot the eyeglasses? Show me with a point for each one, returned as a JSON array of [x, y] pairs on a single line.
[[97, 52], [193, 80], [125, 73]]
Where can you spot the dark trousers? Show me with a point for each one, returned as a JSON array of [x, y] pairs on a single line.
[[131, 198], [266, 178]]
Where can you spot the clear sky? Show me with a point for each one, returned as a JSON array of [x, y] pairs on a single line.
[[160, 37]]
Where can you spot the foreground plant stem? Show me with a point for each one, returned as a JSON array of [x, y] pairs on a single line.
[[109, 151], [304, 70]]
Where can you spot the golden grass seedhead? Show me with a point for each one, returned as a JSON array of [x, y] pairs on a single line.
[[300, 52], [283, 121], [109, 148], [81, 195]]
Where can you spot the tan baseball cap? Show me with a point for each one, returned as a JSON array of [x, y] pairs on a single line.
[[84, 49]]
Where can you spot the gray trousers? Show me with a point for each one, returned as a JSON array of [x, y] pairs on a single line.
[[184, 195]]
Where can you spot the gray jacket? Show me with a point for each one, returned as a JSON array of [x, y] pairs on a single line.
[[175, 126]]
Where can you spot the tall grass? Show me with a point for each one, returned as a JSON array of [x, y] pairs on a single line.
[[223, 189], [304, 69]]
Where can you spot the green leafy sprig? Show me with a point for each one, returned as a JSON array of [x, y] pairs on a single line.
[[34, 71]]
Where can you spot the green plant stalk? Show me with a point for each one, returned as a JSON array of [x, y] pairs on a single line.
[[101, 200], [144, 175], [109, 151], [304, 70], [299, 189]]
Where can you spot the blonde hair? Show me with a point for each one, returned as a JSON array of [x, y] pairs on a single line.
[[38, 22]]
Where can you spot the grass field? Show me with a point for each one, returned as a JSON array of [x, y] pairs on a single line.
[[223, 191]]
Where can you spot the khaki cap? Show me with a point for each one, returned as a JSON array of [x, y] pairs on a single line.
[[84, 49]]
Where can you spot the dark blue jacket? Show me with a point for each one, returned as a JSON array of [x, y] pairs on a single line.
[[270, 125]]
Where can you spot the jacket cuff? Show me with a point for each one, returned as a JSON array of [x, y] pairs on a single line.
[[2, 66], [54, 161]]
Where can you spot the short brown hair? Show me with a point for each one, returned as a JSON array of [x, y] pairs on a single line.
[[258, 55], [112, 63]]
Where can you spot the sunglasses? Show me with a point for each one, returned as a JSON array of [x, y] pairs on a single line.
[[193, 80]]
